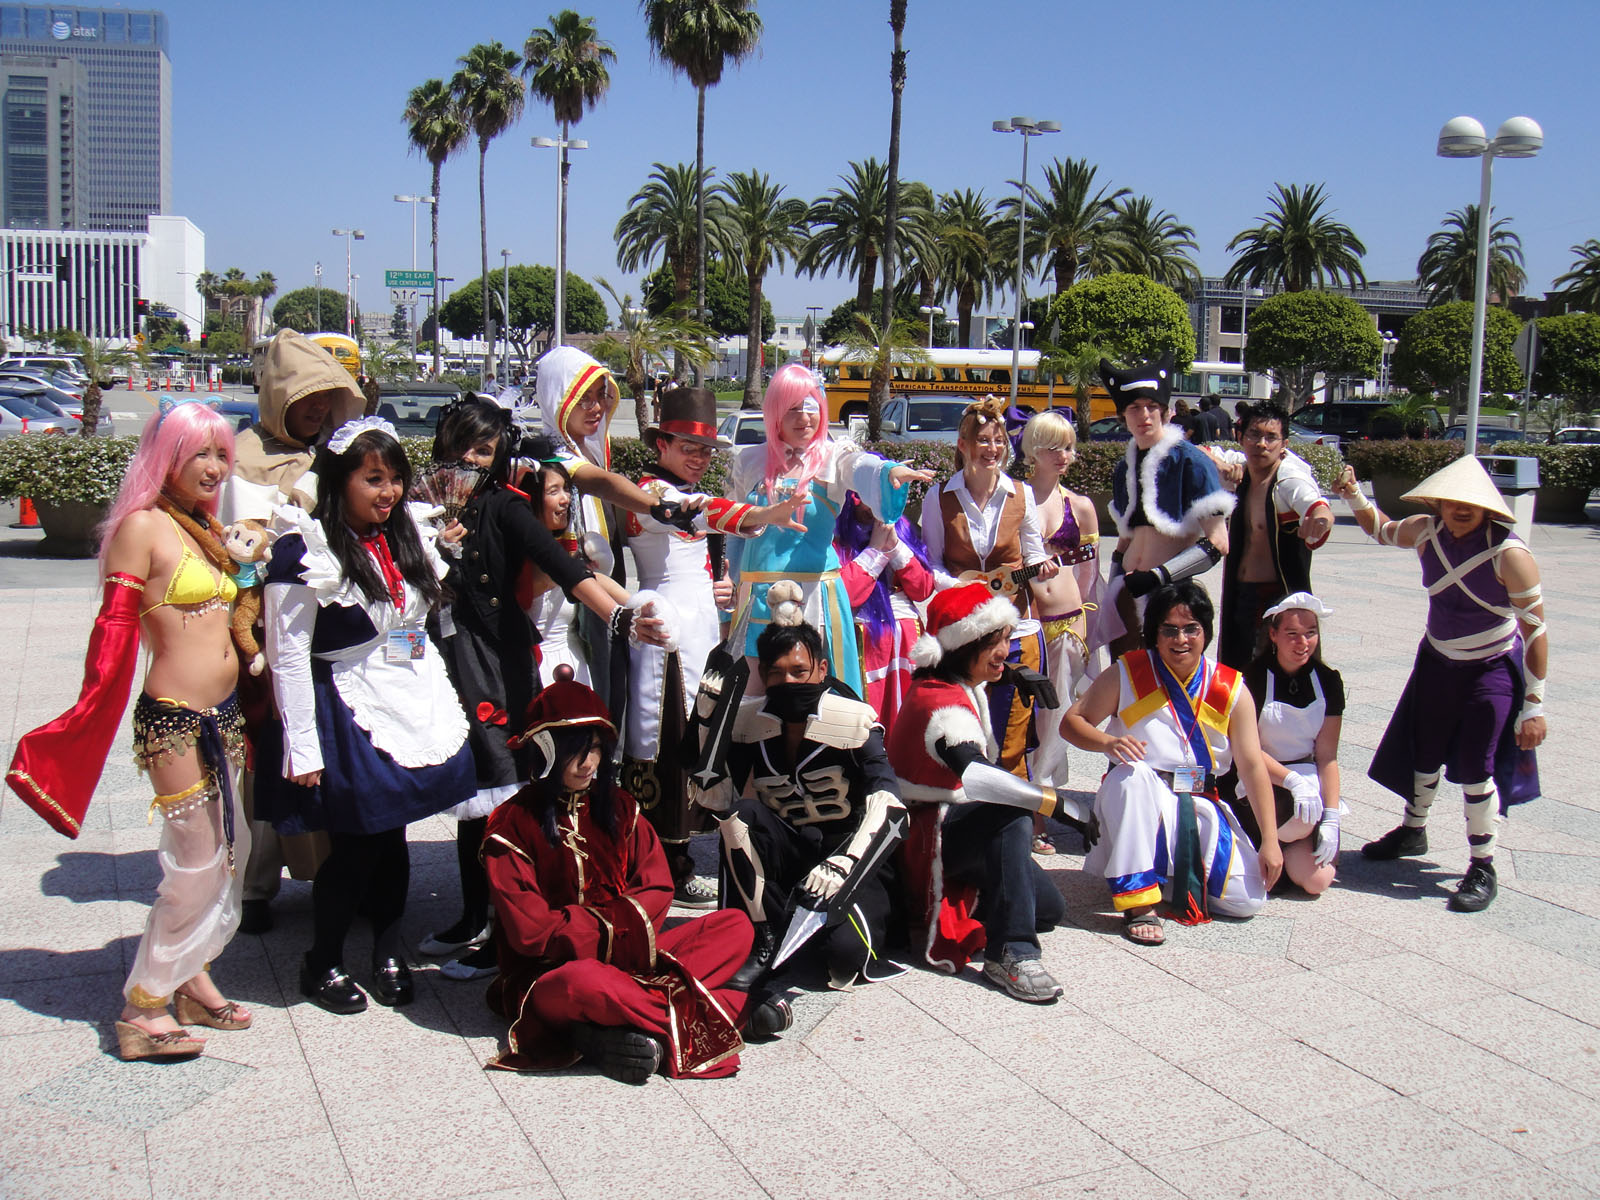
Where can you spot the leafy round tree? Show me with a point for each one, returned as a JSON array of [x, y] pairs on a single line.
[[533, 306], [1435, 350], [1296, 335], [301, 309], [1130, 317], [1569, 357]]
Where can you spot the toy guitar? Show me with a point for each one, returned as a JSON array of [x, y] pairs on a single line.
[[1004, 581]]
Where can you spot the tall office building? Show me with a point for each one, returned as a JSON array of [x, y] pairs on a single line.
[[120, 138], [42, 168]]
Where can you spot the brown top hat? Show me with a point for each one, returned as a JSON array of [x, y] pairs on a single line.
[[688, 412]]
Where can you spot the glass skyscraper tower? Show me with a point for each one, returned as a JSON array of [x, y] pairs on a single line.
[[119, 136]]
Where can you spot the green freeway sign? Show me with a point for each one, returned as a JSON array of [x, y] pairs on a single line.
[[408, 279]]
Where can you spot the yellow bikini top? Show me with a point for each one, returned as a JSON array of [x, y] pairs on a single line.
[[193, 583]]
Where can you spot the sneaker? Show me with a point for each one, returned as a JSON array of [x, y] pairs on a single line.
[[449, 941], [1023, 979], [1477, 888], [694, 892], [1403, 841], [481, 962]]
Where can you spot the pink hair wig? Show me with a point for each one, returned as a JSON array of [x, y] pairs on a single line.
[[790, 387], [168, 439]]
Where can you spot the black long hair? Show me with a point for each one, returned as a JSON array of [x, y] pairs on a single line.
[[1163, 600], [955, 665], [573, 742], [405, 544], [467, 422]]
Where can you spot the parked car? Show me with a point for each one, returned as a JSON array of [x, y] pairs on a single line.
[[413, 406], [18, 416], [36, 375], [1360, 420], [1488, 435], [58, 404], [243, 413], [924, 418], [1577, 435], [743, 428], [1306, 436], [1108, 429]]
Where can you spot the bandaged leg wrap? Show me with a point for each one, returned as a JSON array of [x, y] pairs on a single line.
[[744, 865], [1423, 789], [1483, 818]]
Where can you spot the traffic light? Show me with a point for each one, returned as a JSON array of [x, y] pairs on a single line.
[[141, 307], [203, 337]]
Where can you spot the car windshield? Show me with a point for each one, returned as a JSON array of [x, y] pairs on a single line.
[[19, 407], [933, 416]]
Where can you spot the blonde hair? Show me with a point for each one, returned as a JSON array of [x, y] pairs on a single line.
[[972, 423], [1047, 431]]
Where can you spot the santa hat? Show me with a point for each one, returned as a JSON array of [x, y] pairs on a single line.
[[565, 703], [1464, 481], [960, 616]]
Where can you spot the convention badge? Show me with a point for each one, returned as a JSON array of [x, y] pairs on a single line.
[[405, 645], [447, 622], [1189, 779]]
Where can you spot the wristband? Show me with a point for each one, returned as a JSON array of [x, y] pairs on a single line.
[[1530, 711], [1363, 506]]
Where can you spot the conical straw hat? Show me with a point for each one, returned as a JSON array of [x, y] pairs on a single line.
[[1463, 482]]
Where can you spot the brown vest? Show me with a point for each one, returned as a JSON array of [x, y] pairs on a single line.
[[959, 554]]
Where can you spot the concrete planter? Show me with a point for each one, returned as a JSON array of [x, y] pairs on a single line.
[[70, 528], [1560, 505]]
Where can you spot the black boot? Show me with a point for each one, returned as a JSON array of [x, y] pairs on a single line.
[[255, 916], [332, 989], [1403, 841], [769, 1018], [618, 1052], [761, 954], [1477, 888]]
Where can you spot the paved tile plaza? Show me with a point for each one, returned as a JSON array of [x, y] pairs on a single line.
[[1366, 1044]]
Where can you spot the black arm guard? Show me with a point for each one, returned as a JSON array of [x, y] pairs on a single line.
[[1186, 564], [1037, 688], [671, 512]]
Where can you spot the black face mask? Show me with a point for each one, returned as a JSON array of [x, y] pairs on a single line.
[[794, 701]]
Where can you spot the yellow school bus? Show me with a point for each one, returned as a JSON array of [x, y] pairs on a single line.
[[952, 373], [342, 347]]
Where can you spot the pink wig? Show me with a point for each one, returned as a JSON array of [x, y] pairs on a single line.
[[168, 440], [791, 385]]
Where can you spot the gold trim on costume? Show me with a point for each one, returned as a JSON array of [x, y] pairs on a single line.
[[44, 798], [140, 998], [177, 804], [649, 927], [123, 581]]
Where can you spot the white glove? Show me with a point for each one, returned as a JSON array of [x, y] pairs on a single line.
[[1307, 797], [1326, 847], [827, 877]]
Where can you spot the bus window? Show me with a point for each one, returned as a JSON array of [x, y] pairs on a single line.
[[924, 375], [901, 373], [1000, 377], [1026, 375], [830, 374], [978, 374], [949, 374], [853, 372]]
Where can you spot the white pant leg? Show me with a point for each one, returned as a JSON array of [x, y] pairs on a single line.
[[1244, 891], [1133, 806]]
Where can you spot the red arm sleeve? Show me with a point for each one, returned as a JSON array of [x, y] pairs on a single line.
[[915, 580], [858, 582], [529, 923], [57, 767], [635, 916]]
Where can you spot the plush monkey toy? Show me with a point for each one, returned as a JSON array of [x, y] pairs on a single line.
[[249, 545]]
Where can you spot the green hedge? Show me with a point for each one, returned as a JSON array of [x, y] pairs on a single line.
[[58, 468], [1559, 466]]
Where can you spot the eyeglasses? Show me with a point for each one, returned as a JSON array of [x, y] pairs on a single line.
[[693, 449], [591, 400], [1265, 439], [1171, 632]]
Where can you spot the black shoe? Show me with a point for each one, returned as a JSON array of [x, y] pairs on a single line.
[[620, 1053], [762, 951], [1403, 841], [1477, 888], [391, 983], [255, 916], [770, 1018], [333, 990]]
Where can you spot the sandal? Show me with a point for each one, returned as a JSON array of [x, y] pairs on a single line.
[[138, 1045], [1131, 924], [190, 1011], [1043, 845]]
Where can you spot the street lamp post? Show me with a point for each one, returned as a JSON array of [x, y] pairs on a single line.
[[930, 311], [1464, 137], [414, 201], [1028, 128], [316, 292], [350, 236], [505, 305], [561, 144], [1389, 344]]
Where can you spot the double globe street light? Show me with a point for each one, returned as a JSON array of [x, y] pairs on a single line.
[[1464, 137], [1028, 128], [350, 236]]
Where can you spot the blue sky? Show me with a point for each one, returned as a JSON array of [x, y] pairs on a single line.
[[287, 120]]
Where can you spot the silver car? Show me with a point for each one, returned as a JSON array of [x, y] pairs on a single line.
[[18, 416], [918, 418]]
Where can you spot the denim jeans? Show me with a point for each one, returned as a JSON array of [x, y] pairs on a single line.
[[991, 846]]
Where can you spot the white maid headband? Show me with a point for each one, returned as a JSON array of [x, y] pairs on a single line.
[[350, 430]]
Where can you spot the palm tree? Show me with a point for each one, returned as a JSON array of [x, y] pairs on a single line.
[[643, 338], [1580, 287], [882, 346], [897, 87], [662, 220], [699, 38], [967, 229], [1070, 224], [491, 98], [762, 230], [849, 223], [566, 67], [1448, 268], [99, 360], [436, 129], [1296, 246], [1154, 243]]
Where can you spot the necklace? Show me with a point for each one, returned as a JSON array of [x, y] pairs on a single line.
[[205, 529]]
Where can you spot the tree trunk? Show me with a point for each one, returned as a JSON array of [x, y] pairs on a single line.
[[483, 277], [434, 216], [752, 373], [891, 213], [966, 301], [91, 408], [559, 334], [635, 376], [700, 221], [1065, 270], [864, 281]]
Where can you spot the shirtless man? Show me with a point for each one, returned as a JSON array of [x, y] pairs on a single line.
[[1166, 497], [1280, 519]]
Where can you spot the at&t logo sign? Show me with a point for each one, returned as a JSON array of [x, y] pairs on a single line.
[[62, 30]]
